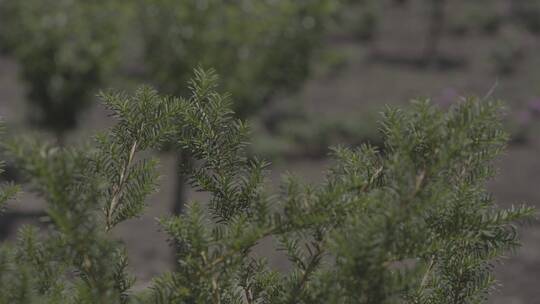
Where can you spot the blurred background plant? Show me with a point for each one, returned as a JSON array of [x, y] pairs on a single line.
[[476, 17], [508, 55], [64, 49], [262, 49], [527, 13]]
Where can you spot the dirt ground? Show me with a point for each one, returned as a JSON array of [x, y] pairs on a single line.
[[362, 86]]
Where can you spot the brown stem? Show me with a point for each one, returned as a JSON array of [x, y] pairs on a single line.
[[117, 189], [231, 253], [215, 291], [247, 293], [428, 272], [315, 260]]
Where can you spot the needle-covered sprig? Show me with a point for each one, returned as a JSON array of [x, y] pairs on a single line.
[[410, 222]]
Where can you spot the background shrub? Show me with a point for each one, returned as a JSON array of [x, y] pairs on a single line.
[[64, 49], [264, 47]]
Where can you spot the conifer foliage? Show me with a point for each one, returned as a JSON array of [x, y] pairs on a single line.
[[412, 223], [7, 191]]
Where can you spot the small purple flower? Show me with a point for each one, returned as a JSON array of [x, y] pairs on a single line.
[[447, 97], [534, 106], [524, 117]]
